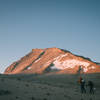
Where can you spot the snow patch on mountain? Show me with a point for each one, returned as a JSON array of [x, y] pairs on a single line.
[[37, 60], [29, 68], [92, 67], [54, 67], [60, 56], [70, 64], [85, 69]]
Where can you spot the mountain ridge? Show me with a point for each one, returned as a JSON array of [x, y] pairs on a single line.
[[62, 61]]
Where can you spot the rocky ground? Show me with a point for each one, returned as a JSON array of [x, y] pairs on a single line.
[[46, 87]]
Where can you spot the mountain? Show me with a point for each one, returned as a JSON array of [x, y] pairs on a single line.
[[52, 60]]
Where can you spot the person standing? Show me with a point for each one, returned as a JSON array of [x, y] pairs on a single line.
[[82, 85], [91, 87]]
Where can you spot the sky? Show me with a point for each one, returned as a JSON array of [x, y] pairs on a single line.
[[73, 25]]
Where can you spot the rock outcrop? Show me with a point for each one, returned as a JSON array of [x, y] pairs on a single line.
[[52, 60]]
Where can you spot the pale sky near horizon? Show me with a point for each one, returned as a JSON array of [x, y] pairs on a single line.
[[73, 25]]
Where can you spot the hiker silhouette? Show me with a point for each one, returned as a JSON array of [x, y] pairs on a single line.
[[80, 79], [80, 70], [82, 85], [91, 87]]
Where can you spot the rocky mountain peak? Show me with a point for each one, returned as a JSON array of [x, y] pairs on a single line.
[[52, 60]]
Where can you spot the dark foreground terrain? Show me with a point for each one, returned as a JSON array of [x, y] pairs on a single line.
[[46, 87]]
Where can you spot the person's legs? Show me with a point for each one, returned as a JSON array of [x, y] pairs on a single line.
[[84, 90], [91, 90]]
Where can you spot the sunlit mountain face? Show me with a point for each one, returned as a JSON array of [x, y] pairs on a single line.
[[52, 60]]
